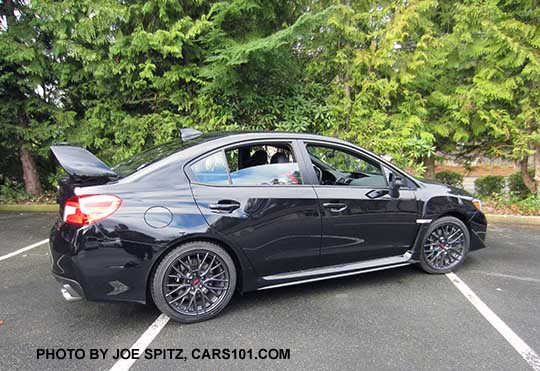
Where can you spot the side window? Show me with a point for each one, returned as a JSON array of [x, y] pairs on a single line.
[[263, 164], [338, 167], [211, 169]]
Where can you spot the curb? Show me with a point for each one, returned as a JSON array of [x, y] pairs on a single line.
[[513, 219], [37, 208]]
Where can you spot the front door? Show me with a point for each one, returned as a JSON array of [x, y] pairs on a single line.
[[360, 220], [255, 196]]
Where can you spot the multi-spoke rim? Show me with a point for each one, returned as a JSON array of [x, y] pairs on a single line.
[[445, 246], [196, 282]]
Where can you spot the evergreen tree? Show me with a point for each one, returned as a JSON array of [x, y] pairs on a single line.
[[404, 78]]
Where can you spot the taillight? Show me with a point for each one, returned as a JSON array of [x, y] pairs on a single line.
[[88, 209]]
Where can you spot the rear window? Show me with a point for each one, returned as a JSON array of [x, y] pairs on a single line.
[[259, 164], [211, 169], [156, 153]]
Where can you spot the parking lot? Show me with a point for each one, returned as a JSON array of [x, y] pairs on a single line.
[[398, 319]]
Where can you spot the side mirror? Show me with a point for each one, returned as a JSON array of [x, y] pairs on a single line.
[[396, 184]]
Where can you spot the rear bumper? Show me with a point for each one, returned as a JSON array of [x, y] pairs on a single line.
[[95, 266], [63, 271]]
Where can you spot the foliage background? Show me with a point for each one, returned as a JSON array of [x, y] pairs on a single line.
[[404, 78]]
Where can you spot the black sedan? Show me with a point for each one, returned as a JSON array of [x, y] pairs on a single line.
[[187, 223]]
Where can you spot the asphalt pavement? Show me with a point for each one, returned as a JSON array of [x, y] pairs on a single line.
[[401, 319]]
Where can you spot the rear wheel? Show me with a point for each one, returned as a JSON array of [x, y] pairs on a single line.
[[194, 282], [445, 245]]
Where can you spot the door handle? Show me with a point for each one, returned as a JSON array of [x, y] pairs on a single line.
[[224, 206], [335, 207], [376, 193]]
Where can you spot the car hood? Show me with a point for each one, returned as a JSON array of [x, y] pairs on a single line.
[[441, 187]]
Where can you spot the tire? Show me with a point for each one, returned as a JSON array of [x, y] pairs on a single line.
[[444, 246], [186, 288]]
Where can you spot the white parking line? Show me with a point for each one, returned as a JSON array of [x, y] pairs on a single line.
[[522, 348], [11, 254], [511, 276], [144, 341]]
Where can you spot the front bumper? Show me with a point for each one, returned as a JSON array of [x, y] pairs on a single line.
[[478, 226]]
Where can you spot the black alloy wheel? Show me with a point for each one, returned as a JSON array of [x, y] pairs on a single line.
[[194, 282], [445, 245]]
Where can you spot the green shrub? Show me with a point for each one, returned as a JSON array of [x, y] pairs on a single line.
[[516, 185], [450, 177], [529, 205], [505, 204], [489, 185], [12, 191]]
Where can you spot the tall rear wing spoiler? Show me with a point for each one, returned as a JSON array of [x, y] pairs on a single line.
[[78, 162]]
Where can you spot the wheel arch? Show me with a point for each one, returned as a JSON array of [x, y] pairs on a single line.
[[423, 261], [456, 214], [437, 206], [422, 231], [240, 265]]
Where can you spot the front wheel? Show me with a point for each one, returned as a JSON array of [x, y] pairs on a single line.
[[194, 282], [445, 245]]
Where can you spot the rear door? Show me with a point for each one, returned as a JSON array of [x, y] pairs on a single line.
[[360, 221], [255, 195]]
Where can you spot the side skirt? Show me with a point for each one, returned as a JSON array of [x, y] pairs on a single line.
[[336, 271]]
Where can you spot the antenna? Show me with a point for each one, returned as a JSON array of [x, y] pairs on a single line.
[[189, 133]]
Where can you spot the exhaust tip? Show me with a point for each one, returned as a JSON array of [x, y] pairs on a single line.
[[69, 293]]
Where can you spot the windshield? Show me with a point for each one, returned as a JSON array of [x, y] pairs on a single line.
[[158, 152]]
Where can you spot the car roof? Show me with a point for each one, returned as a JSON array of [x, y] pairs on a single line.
[[180, 151], [221, 134], [234, 136], [221, 139]]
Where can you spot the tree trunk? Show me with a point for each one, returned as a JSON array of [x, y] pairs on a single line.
[[429, 162], [30, 174], [527, 179], [348, 103], [9, 11], [537, 168]]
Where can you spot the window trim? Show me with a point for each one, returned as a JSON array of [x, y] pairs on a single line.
[[293, 144], [354, 154], [348, 148]]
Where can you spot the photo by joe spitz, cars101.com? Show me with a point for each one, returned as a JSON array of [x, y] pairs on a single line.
[[186, 224]]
